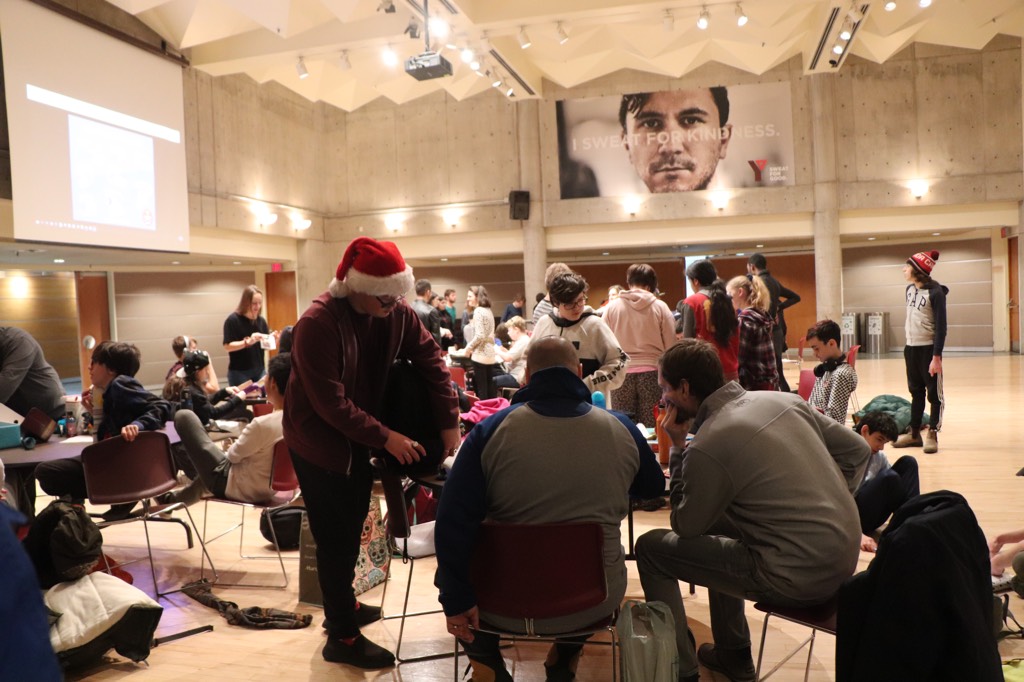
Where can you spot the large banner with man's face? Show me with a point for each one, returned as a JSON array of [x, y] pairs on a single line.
[[676, 141]]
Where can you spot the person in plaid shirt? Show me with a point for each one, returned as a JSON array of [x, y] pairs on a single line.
[[752, 300], [834, 379]]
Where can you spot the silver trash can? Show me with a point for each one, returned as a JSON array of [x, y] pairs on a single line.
[[849, 329], [876, 340]]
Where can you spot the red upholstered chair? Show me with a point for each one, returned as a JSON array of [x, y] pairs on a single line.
[[286, 484], [118, 472], [510, 582], [458, 376], [851, 359], [806, 383], [261, 409]]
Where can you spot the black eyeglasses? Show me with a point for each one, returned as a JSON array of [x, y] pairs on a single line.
[[389, 301]]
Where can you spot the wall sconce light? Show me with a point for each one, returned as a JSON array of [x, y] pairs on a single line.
[[267, 218], [918, 188], [632, 204], [451, 217], [720, 200], [299, 223], [394, 221]]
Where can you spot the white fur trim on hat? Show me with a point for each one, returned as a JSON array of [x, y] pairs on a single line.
[[397, 284]]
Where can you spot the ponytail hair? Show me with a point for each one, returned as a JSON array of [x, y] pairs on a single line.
[[757, 292], [720, 314]]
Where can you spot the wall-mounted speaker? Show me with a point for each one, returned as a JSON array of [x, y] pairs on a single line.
[[519, 205]]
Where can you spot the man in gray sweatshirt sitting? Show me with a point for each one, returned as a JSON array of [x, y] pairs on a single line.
[[761, 505]]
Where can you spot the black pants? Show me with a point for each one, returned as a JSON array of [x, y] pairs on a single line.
[[886, 492], [63, 477], [482, 380], [336, 506], [779, 343], [485, 647], [919, 382]]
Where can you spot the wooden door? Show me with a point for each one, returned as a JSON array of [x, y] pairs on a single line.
[[281, 304], [93, 315], [1014, 295]]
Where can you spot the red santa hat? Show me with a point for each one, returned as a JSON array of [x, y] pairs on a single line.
[[924, 261], [372, 267]]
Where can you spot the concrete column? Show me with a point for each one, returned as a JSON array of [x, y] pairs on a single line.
[[535, 257], [535, 248], [828, 255]]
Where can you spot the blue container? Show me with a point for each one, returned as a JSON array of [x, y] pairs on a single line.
[[10, 435], [599, 400]]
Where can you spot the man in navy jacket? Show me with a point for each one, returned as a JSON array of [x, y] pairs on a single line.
[[550, 457]]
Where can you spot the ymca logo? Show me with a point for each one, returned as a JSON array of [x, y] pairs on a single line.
[[757, 166]]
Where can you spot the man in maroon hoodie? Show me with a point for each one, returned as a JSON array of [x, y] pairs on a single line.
[[343, 346]]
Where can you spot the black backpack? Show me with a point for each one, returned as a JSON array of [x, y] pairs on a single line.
[[63, 543], [287, 524]]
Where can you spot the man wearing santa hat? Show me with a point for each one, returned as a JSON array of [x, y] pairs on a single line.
[[342, 348], [926, 336]]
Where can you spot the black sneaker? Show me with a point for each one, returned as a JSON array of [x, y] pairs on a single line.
[[118, 512], [737, 665], [362, 653], [365, 615]]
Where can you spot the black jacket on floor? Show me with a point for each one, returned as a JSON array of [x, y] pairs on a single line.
[[923, 608]]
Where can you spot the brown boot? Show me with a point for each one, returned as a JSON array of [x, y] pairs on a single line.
[[931, 442], [909, 440]]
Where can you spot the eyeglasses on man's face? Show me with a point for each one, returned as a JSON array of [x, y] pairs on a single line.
[[389, 301], [575, 305]]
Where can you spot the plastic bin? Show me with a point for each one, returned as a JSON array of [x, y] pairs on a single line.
[[876, 339]]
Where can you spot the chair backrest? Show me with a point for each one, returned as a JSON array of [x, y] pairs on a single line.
[[117, 471], [398, 526], [282, 477], [538, 570], [806, 383], [458, 376], [261, 409], [851, 356]]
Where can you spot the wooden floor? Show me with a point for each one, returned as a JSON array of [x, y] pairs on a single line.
[[979, 455]]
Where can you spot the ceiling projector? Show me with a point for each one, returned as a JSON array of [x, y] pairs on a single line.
[[427, 66]]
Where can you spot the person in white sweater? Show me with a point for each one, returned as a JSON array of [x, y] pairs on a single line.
[[480, 347], [599, 352], [243, 473], [645, 327]]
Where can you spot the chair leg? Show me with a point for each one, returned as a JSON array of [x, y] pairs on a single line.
[[810, 654], [760, 651], [405, 611], [277, 547], [204, 555]]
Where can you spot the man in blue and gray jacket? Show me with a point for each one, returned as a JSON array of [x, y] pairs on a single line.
[[550, 457]]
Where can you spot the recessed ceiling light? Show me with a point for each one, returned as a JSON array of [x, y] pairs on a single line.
[[924, 3], [444, 260], [389, 56], [236, 262], [741, 253], [871, 239], [936, 234], [58, 260], [704, 19], [175, 262], [890, 6], [605, 253], [760, 246]]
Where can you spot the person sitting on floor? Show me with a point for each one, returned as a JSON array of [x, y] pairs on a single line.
[[834, 378], [243, 473], [885, 488], [550, 457], [224, 404], [127, 409]]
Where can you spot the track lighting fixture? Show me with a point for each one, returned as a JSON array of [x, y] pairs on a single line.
[[300, 68], [741, 16], [563, 37], [343, 63], [704, 19], [668, 22], [524, 39]]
